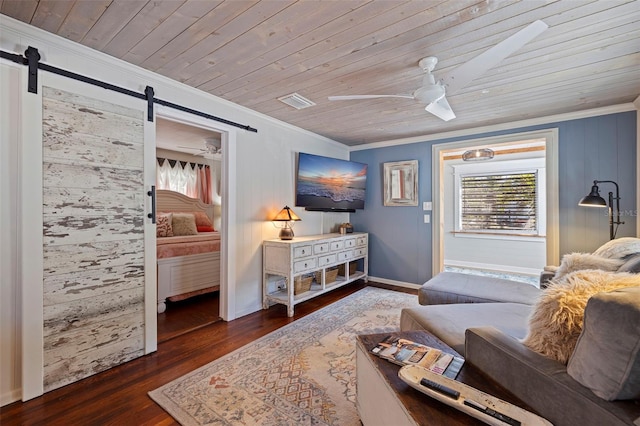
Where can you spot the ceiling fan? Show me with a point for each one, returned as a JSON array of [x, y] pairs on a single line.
[[212, 146], [432, 93]]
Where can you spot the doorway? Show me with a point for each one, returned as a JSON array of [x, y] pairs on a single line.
[[189, 162], [470, 237]]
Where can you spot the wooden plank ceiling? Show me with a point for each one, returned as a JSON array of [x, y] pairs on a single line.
[[253, 52]]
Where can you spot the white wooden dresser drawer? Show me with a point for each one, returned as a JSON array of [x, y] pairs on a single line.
[[336, 245], [327, 260], [303, 265], [349, 242], [321, 248], [345, 255], [302, 251], [359, 252], [362, 241]]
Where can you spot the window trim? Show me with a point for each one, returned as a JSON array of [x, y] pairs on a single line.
[[529, 165]]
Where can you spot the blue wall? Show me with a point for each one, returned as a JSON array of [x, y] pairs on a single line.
[[602, 148]]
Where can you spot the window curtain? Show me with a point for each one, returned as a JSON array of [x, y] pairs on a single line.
[[204, 184], [179, 177]]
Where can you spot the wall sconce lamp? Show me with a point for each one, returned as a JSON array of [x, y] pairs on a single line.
[[595, 200], [286, 216]]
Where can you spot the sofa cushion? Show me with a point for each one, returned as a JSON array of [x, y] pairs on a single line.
[[607, 355], [449, 322], [454, 287], [556, 320], [542, 383]]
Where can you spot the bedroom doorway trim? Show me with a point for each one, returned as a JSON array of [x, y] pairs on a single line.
[[227, 232], [553, 200]]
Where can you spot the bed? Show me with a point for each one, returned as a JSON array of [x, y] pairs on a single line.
[[188, 265]]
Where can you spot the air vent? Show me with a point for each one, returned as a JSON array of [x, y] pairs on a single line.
[[297, 101]]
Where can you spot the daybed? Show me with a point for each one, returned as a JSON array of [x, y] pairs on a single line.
[[187, 264], [588, 377]]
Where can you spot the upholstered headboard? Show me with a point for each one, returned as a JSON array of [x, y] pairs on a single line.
[[171, 201]]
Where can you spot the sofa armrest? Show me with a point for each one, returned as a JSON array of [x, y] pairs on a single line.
[[541, 382]]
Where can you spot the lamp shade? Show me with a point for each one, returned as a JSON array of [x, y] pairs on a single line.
[[593, 199], [286, 214]]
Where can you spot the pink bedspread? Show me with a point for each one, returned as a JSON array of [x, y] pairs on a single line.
[[204, 242]]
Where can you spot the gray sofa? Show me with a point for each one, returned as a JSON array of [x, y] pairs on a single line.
[[485, 318]]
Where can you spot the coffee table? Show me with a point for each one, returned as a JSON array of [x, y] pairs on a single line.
[[384, 399]]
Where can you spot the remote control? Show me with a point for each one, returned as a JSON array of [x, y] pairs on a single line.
[[451, 393]]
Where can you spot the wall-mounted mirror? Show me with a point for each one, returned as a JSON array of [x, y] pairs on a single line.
[[401, 183]]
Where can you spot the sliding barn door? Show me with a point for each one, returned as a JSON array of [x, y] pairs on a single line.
[[93, 198]]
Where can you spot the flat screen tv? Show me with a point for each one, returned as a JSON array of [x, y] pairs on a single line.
[[330, 184]]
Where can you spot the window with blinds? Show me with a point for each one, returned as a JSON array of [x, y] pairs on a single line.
[[499, 202]]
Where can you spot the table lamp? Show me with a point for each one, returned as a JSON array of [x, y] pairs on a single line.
[[286, 216]]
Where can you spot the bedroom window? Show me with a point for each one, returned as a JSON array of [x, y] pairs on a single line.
[[190, 179], [501, 198]]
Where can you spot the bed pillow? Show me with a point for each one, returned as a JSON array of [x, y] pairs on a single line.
[[184, 224], [557, 318], [163, 225], [205, 229], [203, 223]]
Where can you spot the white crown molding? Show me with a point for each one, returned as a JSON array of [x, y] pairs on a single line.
[[550, 119], [28, 34]]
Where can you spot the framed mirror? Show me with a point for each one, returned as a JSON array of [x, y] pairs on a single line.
[[401, 183]]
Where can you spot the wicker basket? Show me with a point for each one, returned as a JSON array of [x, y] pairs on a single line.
[[352, 269], [330, 275], [302, 283]]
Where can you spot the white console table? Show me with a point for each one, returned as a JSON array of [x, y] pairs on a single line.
[[284, 260]]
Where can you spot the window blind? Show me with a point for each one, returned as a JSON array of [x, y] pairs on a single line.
[[499, 202]]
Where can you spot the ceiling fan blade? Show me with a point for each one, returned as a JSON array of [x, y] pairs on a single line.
[[441, 109], [355, 97], [465, 73]]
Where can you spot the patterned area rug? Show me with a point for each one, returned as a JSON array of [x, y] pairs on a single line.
[[300, 374]]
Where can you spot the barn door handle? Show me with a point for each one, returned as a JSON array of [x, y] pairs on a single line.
[[152, 194]]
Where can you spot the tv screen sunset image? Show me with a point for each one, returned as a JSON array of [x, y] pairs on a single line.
[[330, 183]]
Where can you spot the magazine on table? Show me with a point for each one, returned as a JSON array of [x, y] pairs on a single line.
[[406, 352]]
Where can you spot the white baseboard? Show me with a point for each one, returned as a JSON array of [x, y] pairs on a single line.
[[493, 268], [253, 309], [393, 282]]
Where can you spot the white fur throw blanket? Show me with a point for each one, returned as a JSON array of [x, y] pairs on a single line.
[[619, 248], [580, 261], [557, 318]]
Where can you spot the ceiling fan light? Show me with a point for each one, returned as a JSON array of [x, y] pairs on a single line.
[[478, 154], [429, 94], [213, 146]]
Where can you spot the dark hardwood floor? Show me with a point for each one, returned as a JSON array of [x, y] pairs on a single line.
[[188, 315], [119, 396]]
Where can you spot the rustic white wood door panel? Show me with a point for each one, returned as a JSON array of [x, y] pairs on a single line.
[[94, 276]]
